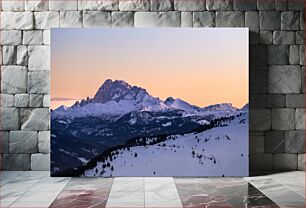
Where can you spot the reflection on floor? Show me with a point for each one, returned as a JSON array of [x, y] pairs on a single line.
[[37, 189]]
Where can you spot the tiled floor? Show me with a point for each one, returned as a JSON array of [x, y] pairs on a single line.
[[37, 189]]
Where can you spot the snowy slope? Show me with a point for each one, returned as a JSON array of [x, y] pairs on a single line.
[[218, 151]]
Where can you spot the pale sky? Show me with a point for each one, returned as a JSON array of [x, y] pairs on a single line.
[[202, 66]]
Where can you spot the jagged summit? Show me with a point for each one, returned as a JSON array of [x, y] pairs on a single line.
[[116, 90]]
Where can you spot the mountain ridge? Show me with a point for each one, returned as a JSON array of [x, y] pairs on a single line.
[[118, 98]]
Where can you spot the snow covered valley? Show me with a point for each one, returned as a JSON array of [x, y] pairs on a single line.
[[221, 151]]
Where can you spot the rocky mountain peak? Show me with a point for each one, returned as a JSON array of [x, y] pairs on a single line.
[[116, 90]]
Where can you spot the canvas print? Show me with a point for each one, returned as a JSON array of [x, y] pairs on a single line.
[[149, 102]]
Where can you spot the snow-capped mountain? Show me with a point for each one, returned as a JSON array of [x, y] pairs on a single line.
[[113, 98], [117, 98], [117, 115]]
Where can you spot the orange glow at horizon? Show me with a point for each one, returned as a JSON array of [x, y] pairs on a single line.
[[218, 76]]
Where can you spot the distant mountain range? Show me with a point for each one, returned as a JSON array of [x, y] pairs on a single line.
[[119, 113], [116, 98]]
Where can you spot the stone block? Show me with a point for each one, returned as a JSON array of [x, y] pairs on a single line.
[[295, 101], [252, 21], [274, 141], [302, 20], [22, 55], [290, 21], [13, 79], [281, 5], [185, 6], [257, 101], [285, 79], [7, 22], [16, 162], [269, 20], [261, 161], [46, 37], [256, 133], [36, 100], [39, 58], [260, 120], [216, 5], [283, 38], [162, 5], [32, 37], [21, 100], [157, 19], [285, 162], [23, 142], [186, 19], [12, 5], [301, 162], [36, 119], [44, 141], [72, 19], [203, 19], [229, 19], [6, 100], [276, 100], [283, 118], [9, 55], [97, 19], [40, 162], [278, 54], [302, 55], [98, 5], [266, 37], [24, 20], [258, 56], [300, 119], [46, 20], [122, 19], [299, 37], [265, 5], [256, 144], [62, 5], [10, 119], [39, 82], [46, 101], [37, 5], [294, 141], [245, 5], [4, 141], [296, 5], [134, 5], [10, 37], [259, 81], [294, 54], [303, 79]]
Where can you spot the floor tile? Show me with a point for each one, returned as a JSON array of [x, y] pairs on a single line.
[[89, 184], [36, 199], [200, 192], [163, 198], [128, 184], [7, 176], [125, 200], [80, 199], [277, 192], [159, 183]]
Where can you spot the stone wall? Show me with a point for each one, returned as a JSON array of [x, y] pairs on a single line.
[[276, 68]]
